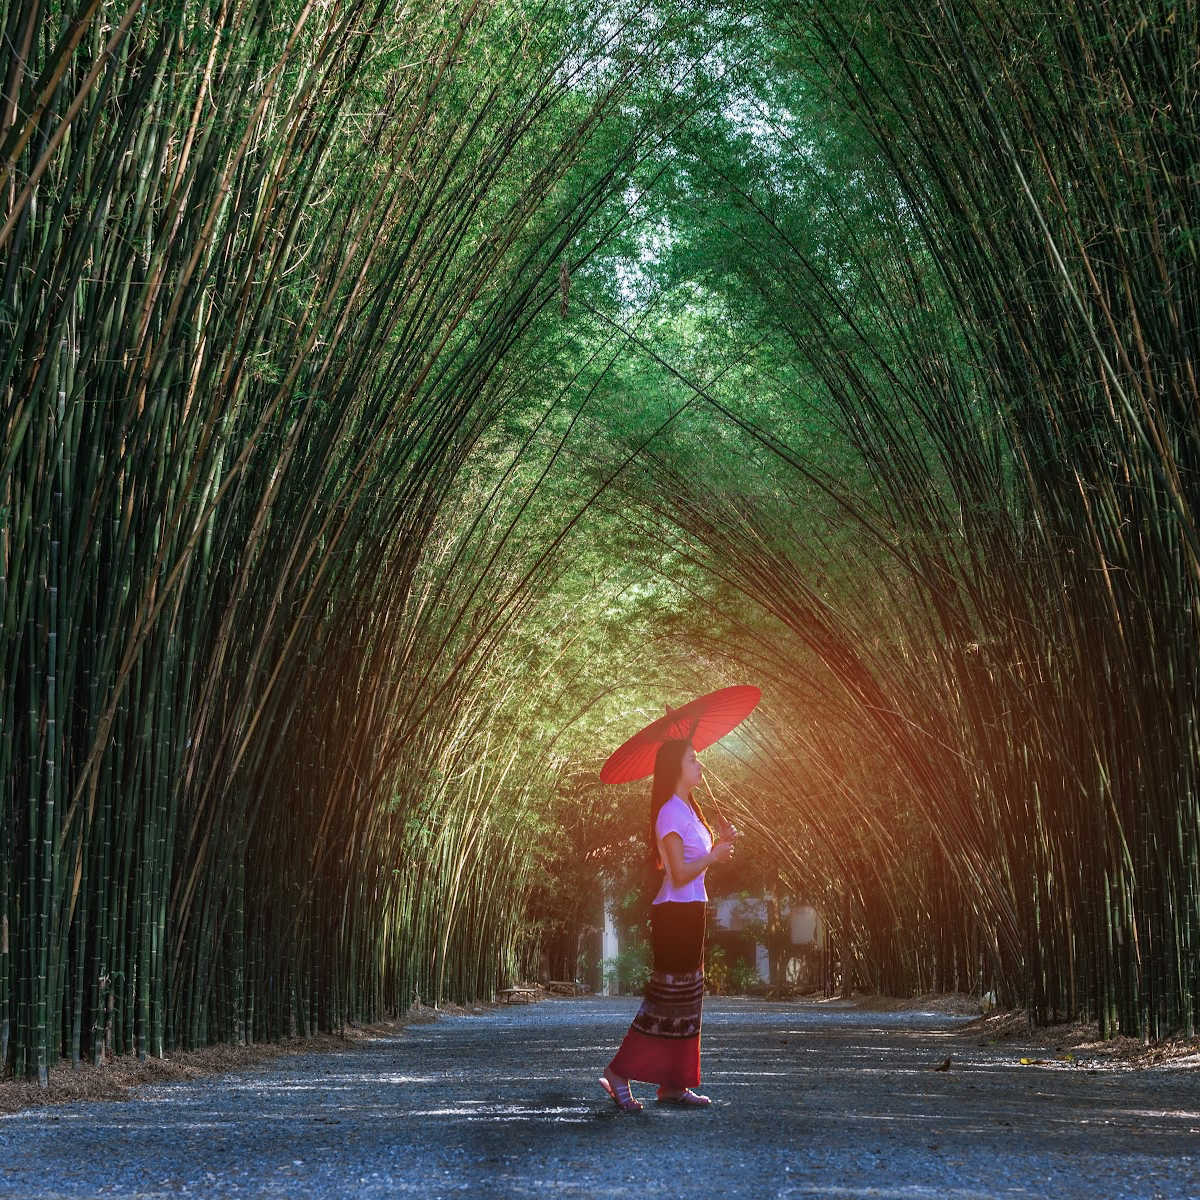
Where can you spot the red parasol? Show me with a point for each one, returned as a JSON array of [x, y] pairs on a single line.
[[702, 721]]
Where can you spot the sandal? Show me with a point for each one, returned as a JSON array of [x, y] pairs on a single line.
[[687, 1097], [621, 1095]]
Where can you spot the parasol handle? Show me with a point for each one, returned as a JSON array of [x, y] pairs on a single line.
[[720, 815]]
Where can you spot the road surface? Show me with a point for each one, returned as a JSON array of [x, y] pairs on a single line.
[[810, 1101]]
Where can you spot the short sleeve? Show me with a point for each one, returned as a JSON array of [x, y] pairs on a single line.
[[674, 817]]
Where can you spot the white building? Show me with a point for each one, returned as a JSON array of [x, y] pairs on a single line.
[[748, 915]]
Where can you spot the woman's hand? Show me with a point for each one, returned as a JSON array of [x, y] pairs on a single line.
[[722, 851]]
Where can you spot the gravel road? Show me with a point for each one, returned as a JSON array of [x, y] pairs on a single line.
[[810, 1101]]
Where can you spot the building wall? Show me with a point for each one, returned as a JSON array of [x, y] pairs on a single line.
[[610, 946]]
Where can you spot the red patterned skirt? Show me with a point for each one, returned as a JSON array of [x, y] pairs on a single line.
[[663, 1043]]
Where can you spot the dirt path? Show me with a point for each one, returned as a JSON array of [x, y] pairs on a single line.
[[811, 1101]]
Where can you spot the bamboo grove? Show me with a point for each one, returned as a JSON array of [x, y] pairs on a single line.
[[394, 396], [261, 262], [976, 554]]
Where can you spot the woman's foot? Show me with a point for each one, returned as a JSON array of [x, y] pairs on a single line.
[[619, 1090], [682, 1096]]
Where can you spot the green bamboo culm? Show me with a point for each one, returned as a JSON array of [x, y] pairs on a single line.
[[260, 265]]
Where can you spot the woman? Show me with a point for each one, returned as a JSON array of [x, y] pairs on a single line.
[[663, 1043]]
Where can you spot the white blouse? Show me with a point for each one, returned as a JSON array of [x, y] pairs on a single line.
[[677, 816]]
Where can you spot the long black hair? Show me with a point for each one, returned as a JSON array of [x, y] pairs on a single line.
[[668, 763]]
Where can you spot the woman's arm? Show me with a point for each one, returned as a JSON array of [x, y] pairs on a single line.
[[684, 872]]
